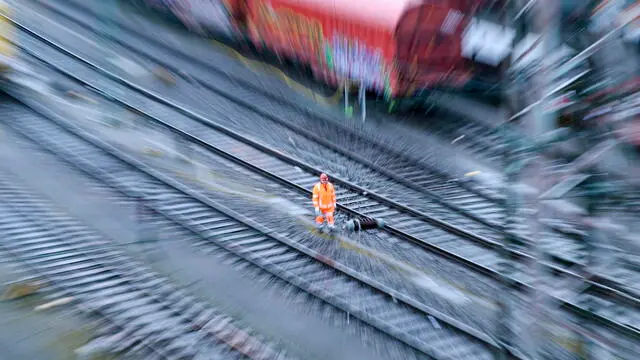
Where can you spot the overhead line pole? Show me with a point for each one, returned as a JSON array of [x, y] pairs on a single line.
[[505, 318], [538, 121], [598, 195]]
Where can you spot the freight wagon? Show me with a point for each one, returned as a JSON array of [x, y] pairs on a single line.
[[396, 49]]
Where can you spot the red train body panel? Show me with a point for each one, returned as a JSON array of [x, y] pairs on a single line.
[[429, 45], [332, 43], [392, 47]]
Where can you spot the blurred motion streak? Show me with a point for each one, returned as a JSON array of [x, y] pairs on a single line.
[[572, 89], [7, 50]]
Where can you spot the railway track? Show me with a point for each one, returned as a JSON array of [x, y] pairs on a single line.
[[301, 188], [421, 191], [372, 303], [415, 207], [566, 238], [473, 207], [285, 100], [296, 174], [399, 168], [569, 306], [148, 317], [482, 141], [251, 151]]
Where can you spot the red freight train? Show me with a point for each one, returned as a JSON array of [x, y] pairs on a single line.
[[395, 47]]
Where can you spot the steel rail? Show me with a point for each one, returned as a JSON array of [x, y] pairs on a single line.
[[392, 295], [482, 241], [521, 239], [253, 143], [266, 149], [80, 306], [298, 129], [430, 219], [199, 141], [79, 266]]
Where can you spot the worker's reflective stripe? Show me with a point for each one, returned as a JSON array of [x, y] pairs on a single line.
[[315, 195]]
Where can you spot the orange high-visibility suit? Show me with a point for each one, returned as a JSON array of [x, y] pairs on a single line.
[[324, 200]]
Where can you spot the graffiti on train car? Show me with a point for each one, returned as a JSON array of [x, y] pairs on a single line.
[[297, 31], [354, 60], [304, 33], [294, 33]]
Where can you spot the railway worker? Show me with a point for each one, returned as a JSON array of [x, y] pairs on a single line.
[[324, 201]]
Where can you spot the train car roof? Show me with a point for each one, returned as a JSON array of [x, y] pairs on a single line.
[[385, 13]]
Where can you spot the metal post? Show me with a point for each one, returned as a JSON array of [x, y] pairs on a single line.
[[346, 96], [612, 62], [539, 122], [363, 101], [584, 301], [504, 317]]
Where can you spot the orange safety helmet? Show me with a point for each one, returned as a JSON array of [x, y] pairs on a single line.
[[324, 177]]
